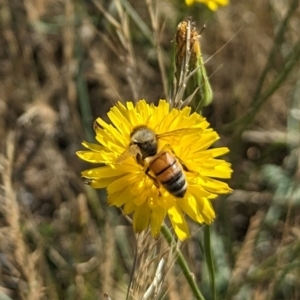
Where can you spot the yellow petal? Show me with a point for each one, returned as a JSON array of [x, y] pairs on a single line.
[[214, 186], [223, 2], [121, 123], [96, 157], [158, 114], [212, 5], [189, 2], [94, 147], [141, 217], [205, 209], [190, 206], [178, 223], [120, 198], [129, 207], [195, 188], [157, 217], [102, 172], [215, 152], [207, 139], [110, 137], [121, 183], [144, 110], [220, 171], [101, 183]]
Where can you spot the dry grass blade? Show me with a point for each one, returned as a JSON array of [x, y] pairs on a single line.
[[153, 260], [245, 258], [154, 16], [124, 36], [26, 262], [154, 289]]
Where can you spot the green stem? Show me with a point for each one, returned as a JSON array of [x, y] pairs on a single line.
[[139, 22], [290, 63], [209, 260], [279, 39], [182, 262], [259, 98]]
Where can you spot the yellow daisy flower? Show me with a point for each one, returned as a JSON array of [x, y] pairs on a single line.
[[189, 171], [211, 4]]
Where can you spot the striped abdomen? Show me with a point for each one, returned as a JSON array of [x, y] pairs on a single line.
[[169, 173]]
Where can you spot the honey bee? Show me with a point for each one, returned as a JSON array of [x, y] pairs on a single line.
[[165, 167]]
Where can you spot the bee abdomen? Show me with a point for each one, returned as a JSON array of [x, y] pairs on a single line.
[[176, 185], [169, 173]]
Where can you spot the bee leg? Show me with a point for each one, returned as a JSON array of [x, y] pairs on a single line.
[[140, 160], [185, 168], [156, 183]]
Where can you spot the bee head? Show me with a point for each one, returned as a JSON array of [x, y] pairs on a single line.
[[145, 139]]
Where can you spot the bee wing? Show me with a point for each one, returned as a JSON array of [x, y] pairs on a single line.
[[133, 150], [178, 134]]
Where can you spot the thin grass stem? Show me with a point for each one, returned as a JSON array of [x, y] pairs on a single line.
[[209, 260], [260, 98], [182, 262]]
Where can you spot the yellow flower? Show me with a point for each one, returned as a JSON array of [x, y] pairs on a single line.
[[211, 4], [182, 135]]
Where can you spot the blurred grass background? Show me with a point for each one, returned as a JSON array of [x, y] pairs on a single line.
[[64, 63]]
